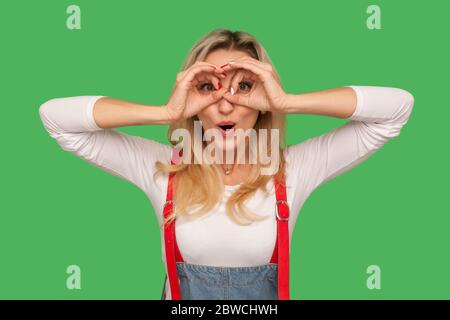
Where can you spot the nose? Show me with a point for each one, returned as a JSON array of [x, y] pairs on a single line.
[[225, 107]]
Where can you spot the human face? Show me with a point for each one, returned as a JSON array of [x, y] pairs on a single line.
[[223, 112]]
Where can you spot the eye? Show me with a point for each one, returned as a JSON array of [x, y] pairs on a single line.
[[245, 85], [205, 87]]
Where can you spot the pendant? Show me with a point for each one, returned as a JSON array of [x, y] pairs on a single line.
[[227, 171]]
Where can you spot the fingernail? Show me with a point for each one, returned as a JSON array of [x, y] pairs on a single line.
[[224, 74], [219, 85], [232, 91]]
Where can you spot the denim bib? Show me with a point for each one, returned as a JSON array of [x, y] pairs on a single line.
[[200, 282]]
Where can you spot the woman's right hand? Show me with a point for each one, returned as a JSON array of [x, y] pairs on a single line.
[[189, 96]]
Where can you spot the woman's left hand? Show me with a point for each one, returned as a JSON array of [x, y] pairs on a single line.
[[265, 93]]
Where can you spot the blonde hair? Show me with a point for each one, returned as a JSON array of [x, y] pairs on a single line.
[[200, 184]]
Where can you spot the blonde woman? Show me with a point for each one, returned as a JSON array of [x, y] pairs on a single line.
[[226, 227]]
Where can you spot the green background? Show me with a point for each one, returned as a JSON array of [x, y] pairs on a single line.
[[57, 210]]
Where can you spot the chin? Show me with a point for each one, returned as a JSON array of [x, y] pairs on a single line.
[[226, 143]]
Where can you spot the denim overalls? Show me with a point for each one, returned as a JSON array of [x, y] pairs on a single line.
[[200, 282]]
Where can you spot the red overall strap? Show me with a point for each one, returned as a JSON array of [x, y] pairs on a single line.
[[282, 243], [169, 237]]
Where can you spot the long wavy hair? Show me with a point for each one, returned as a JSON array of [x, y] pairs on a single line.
[[199, 187]]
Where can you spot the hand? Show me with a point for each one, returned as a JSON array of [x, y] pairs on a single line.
[[265, 94], [188, 97]]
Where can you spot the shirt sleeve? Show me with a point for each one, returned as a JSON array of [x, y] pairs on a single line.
[[70, 121], [380, 114]]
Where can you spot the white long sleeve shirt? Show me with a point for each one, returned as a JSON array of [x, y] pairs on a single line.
[[214, 239]]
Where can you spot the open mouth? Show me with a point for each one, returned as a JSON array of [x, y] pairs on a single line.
[[226, 127]]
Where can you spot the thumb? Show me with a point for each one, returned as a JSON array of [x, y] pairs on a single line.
[[236, 99], [216, 95]]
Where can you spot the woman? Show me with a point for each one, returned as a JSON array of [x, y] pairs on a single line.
[[229, 217]]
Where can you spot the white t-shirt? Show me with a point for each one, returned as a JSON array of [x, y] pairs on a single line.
[[215, 239]]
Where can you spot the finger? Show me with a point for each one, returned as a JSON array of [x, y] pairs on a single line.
[[203, 63], [237, 99], [219, 71], [212, 98], [262, 65], [237, 78], [208, 77], [200, 65], [182, 74], [216, 83], [214, 80], [256, 73], [257, 70], [217, 95], [192, 73]]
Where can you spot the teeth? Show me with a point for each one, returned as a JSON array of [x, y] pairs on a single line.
[[226, 126]]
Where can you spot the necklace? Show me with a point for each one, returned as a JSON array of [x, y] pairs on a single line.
[[227, 170]]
